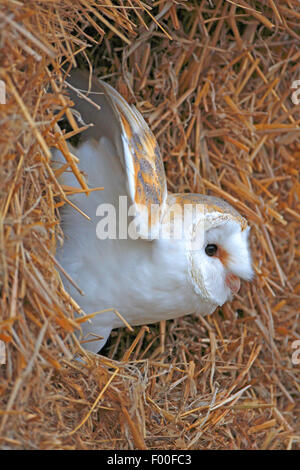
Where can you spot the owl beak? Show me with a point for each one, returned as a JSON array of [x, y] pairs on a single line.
[[233, 282]]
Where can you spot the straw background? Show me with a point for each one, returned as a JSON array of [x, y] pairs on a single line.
[[214, 81]]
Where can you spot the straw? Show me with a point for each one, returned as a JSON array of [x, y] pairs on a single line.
[[214, 82]]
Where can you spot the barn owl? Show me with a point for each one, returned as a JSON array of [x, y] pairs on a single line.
[[132, 263]]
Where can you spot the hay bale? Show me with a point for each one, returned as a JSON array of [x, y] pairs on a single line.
[[214, 82]]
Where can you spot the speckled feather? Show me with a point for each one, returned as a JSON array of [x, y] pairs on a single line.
[[138, 149]]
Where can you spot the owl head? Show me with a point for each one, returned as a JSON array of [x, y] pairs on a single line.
[[216, 246]]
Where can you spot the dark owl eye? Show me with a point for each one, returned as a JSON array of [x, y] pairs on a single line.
[[211, 249]]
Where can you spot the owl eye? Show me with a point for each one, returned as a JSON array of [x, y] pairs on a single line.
[[211, 249]]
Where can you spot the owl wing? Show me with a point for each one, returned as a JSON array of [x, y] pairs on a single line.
[[136, 146]]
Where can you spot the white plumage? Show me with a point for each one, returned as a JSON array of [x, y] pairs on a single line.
[[145, 279]]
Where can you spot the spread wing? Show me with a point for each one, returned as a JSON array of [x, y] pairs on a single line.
[[135, 145]]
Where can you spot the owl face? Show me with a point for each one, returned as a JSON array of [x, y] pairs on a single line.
[[223, 258]]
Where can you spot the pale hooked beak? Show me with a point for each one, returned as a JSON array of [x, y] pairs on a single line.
[[233, 282]]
